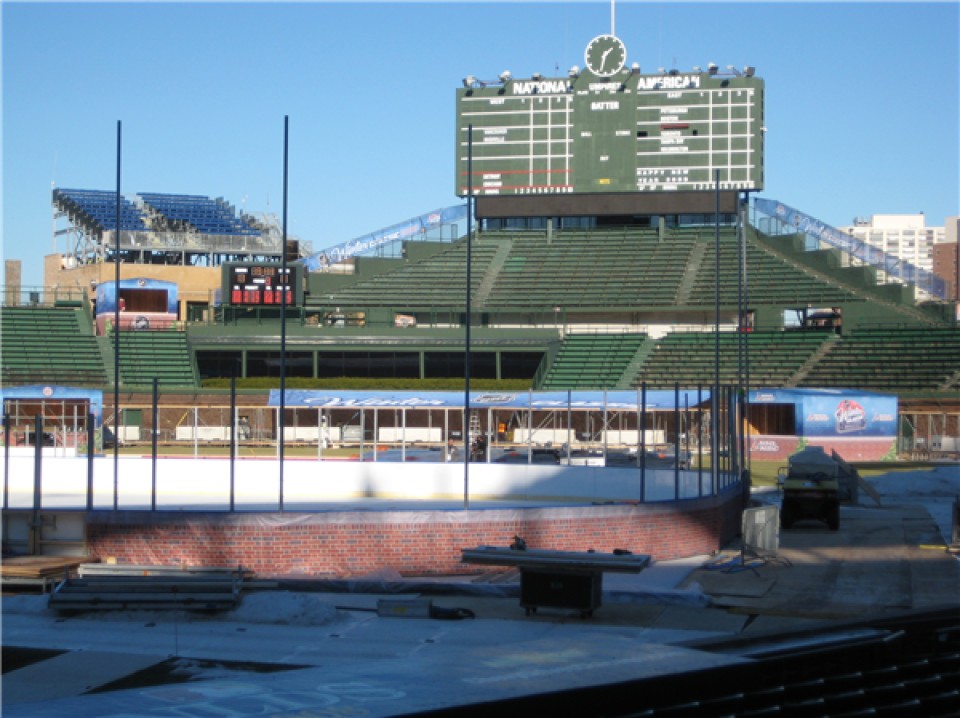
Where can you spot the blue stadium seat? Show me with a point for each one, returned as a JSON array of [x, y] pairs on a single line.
[[99, 208], [204, 214]]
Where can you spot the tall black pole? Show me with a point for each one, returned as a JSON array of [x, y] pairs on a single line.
[[742, 337], [37, 482], [6, 459], [715, 399], [155, 420], [699, 440], [643, 441], [745, 400], [676, 441], [91, 449], [467, 360], [233, 438], [116, 337], [284, 283]]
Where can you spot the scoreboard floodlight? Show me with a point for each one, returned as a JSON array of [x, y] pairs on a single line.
[[262, 284], [609, 128]]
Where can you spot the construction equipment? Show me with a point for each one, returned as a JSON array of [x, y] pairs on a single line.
[[811, 488], [558, 579]]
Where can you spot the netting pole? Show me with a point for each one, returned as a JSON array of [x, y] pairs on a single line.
[[153, 444], [6, 460], [116, 338], [467, 359]]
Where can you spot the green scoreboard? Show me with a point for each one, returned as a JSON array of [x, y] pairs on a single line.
[[608, 128]]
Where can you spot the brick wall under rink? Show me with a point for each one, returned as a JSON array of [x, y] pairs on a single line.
[[354, 543]]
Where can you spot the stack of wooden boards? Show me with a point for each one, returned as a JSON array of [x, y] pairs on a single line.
[[42, 571]]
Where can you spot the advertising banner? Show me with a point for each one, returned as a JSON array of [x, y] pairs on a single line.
[[869, 254], [537, 400], [835, 412], [370, 242]]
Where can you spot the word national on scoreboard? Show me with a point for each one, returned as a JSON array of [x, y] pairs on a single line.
[[609, 128]]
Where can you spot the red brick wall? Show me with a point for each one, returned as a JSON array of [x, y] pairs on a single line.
[[412, 543]]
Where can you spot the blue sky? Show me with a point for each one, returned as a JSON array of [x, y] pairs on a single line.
[[861, 100]]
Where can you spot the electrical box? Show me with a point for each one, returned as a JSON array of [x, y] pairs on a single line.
[[579, 590]]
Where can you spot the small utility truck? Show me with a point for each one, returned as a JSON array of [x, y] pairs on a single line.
[[811, 488]]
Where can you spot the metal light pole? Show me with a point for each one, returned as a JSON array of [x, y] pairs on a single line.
[[744, 424], [714, 399], [155, 422], [283, 314], [467, 360], [6, 459], [233, 438], [116, 337]]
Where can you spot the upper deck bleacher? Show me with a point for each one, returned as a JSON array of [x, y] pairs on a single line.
[[184, 212], [435, 282], [768, 278], [590, 269], [98, 209]]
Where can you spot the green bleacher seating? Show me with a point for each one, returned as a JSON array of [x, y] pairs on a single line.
[[768, 278], [769, 358], [46, 345], [890, 359], [595, 269], [435, 282], [161, 354], [592, 361]]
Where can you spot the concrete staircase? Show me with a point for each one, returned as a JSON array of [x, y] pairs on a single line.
[[493, 270]]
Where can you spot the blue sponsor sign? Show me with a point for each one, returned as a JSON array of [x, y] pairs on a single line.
[[835, 412]]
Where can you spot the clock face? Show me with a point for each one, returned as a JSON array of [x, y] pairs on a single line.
[[605, 55]]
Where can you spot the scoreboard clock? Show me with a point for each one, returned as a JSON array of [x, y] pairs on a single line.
[[262, 284], [609, 128], [605, 55]]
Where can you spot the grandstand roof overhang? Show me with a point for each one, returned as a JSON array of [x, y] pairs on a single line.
[[599, 205]]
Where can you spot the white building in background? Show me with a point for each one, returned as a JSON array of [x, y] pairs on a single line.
[[905, 236]]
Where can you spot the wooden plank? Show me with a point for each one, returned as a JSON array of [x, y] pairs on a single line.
[[540, 558], [38, 566], [106, 569]]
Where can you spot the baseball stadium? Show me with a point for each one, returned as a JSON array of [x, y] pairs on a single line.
[[605, 341], [593, 263]]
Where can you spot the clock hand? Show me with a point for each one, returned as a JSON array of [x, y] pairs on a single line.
[[603, 57]]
